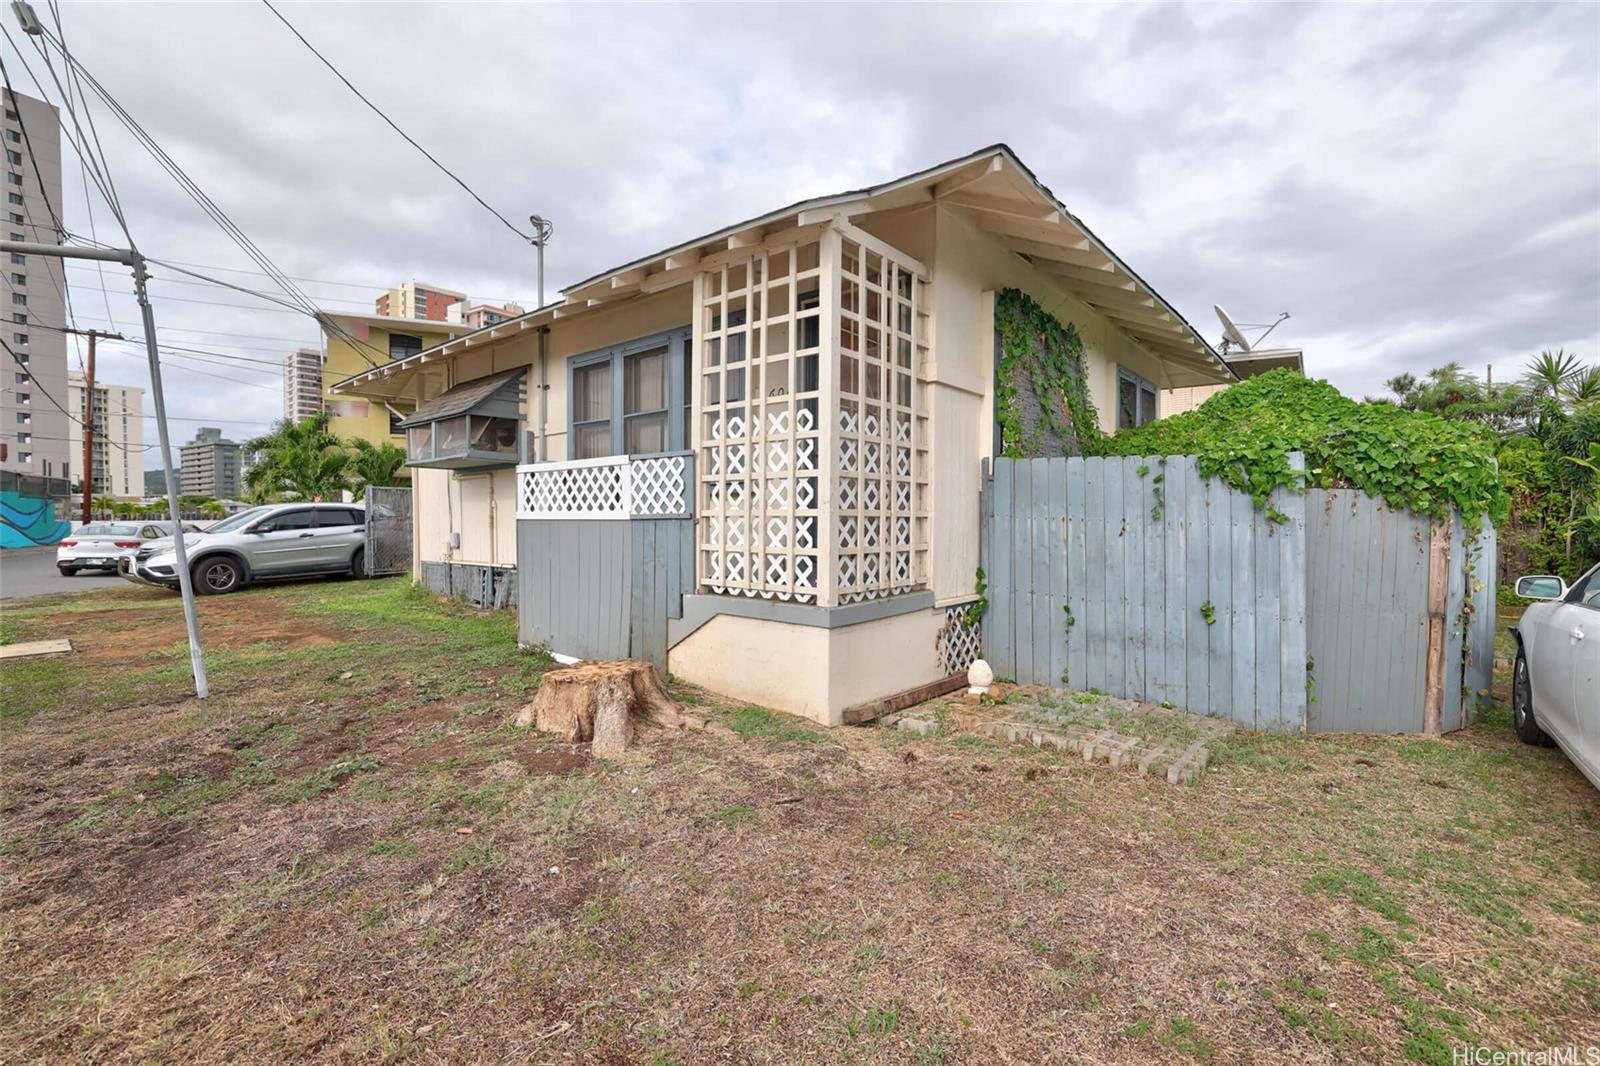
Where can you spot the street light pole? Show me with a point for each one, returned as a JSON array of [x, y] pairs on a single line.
[[131, 259]]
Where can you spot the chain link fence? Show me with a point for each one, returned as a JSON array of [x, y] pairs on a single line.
[[388, 530]]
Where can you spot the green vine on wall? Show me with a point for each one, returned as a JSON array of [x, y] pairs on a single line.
[[1038, 350]]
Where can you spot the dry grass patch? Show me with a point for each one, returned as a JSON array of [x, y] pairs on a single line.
[[382, 867]]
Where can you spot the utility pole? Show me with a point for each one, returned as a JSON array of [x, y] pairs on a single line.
[[542, 229], [88, 415], [130, 258]]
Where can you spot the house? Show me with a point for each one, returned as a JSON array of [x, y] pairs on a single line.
[[1246, 364], [480, 315], [352, 343], [755, 457]]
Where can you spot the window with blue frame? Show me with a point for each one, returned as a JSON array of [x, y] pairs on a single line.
[[1136, 399], [631, 398]]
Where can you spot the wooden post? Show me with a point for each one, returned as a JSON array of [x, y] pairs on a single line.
[[1438, 596], [88, 408]]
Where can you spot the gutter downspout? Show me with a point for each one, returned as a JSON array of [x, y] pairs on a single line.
[[544, 394]]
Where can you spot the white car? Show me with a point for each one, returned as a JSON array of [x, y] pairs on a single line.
[[1555, 685], [97, 545]]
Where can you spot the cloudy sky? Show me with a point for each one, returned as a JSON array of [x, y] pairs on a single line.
[[1414, 184]]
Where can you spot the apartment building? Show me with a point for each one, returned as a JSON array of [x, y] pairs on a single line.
[[480, 315], [211, 465], [302, 384], [33, 430], [117, 414], [416, 299]]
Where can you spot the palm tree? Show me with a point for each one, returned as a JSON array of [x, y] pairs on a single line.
[[1548, 372], [300, 459], [1583, 388], [374, 464]]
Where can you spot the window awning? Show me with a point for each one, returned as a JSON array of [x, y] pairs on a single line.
[[473, 426], [495, 395]]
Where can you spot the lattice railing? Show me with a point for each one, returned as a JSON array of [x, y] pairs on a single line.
[[960, 638], [617, 486]]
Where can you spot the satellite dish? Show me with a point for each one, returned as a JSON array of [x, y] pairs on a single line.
[[1229, 330]]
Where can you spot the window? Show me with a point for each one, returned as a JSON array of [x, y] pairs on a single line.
[[19, 338], [25, 397], [12, 115], [13, 156], [13, 136], [629, 400], [287, 520], [14, 198], [1136, 399], [17, 236], [13, 177], [18, 259], [395, 418], [337, 517], [24, 418], [22, 378], [644, 402], [19, 279], [402, 345], [591, 411], [24, 457], [24, 437], [16, 218], [19, 317], [1586, 593], [19, 299]]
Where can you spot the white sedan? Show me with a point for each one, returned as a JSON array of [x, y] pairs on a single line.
[[1555, 685]]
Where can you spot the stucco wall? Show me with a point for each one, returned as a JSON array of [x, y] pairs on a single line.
[[344, 360], [807, 670], [969, 267]]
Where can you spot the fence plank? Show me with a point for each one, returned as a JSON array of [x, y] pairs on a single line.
[[1219, 580], [1096, 613], [1196, 652], [1055, 524], [1043, 539], [1001, 591], [1174, 536], [1116, 592], [1022, 573], [1077, 576]]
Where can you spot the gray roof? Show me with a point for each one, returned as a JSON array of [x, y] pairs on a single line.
[[464, 397]]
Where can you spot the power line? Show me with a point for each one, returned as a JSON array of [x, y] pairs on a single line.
[[408, 138]]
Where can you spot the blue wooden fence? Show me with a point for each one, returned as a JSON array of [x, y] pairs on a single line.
[[1139, 577]]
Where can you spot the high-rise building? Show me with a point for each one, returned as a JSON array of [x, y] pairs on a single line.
[[118, 419], [302, 384], [416, 299], [33, 429], [210, 465], [480, 315]]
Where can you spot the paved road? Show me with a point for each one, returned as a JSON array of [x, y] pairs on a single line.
[[28, 572]]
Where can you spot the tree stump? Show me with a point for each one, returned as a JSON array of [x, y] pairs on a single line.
[[599, 702]]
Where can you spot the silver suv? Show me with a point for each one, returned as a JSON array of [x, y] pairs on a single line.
[[260, 544]]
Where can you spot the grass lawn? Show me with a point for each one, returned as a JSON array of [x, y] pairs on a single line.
[[353, 854]]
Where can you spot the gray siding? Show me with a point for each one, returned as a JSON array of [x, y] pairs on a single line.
[[602, 588]]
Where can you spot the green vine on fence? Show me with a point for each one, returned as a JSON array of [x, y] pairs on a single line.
[[1412, 460], [1036, 349]]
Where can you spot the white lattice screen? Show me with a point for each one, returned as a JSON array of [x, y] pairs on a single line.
[[758, 363], [811, 425], [880, 506]]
